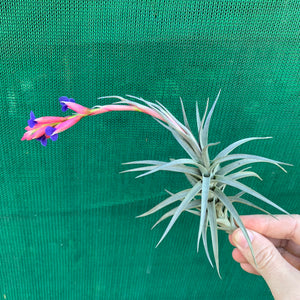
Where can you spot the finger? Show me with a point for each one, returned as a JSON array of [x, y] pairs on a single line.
[[293, 248], [268, 261], [248, 268], [290, 258], [289, 245], [238, 256], [284, 227], [230, 240]]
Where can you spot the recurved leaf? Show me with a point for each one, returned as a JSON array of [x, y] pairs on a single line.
[[246, 202], [248, 190], [254, 159], [234, 145], [237, 164], [243, 174]]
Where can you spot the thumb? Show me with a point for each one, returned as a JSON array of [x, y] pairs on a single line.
[[269, 263]]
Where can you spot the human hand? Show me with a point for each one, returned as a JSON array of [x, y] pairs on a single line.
[[276, 246]]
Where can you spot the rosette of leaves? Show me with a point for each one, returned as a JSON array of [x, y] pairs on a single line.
[[206, 196]]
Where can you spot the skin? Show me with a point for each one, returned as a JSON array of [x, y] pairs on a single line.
[[276, 246]]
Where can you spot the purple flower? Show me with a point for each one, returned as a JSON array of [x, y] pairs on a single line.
[[31, 121], [62, 101], [43, 140], [49, 131]]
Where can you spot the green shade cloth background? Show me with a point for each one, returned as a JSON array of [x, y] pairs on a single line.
[[67, 217]]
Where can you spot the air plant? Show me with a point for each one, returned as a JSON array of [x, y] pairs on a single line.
[[205, 197]]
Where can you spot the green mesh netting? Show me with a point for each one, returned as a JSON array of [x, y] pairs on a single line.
[[68, 227]]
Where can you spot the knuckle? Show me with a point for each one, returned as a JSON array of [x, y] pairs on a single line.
[[295, 229], [265, 257]]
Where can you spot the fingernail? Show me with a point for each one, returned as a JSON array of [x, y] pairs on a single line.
[[240, 240]]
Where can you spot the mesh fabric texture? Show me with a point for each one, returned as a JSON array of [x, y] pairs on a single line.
[[67, 217]]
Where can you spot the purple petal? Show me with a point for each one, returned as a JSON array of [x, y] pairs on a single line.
[[54, 137], [64, 107], [32, 115], [49, 130], [65, 99], [31, 122], [43, 140]]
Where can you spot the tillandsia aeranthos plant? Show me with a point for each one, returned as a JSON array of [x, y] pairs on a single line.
[[205, 197]]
